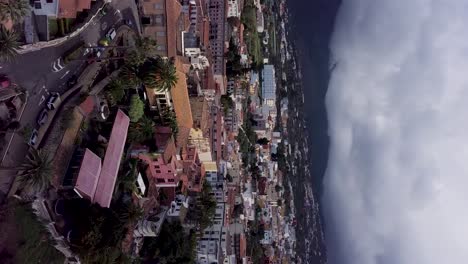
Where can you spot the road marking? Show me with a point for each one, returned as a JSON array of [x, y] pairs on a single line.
[[117, 12], [67, 72], [42, 100], [56, 66]]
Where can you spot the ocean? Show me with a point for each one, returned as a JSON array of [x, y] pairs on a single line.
[[311, 27]]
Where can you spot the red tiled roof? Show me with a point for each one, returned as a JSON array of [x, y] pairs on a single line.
[[69, 8], [111, 164], [88, 176], [243, 245], [181, 102]]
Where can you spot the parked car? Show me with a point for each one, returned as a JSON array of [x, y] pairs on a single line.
[[111, 34], [72, 81], [33, 138], [42, 118], [53, 101]]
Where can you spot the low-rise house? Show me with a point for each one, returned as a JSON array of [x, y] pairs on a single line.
[[202, 143], [193, 168], [151, 226], [96, 181], [178, 208]]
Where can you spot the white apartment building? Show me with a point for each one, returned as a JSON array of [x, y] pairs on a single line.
[[211, 247], [233, 8]]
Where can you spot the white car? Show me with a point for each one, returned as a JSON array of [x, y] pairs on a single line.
[[111, 34], [53, 101], [42, 117], [33, 138]]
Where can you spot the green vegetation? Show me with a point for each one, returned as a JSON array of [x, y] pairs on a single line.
[[145, 48], [34, 244], [73, 53], [172, 246], [263, 141], [13, 9], [141, 131], [203, 211], [96, 232], [159, 74], [163, 79], [36, 171], [53, 27], [233, 65], [254, 248], [8, 44], [227, 103], [169, 118], [251, 37], [137, 108], [115, 91]]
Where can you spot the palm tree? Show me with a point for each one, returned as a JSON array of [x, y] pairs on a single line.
[[165, 76], [13, 9], [130, 73], [145, 48], [35, 173], [8, 44], [159, 74], [142, 130]]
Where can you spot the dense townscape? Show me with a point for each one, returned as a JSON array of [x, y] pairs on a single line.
[[150, 131]]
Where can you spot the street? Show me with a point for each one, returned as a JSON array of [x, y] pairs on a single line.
[[43, 72]]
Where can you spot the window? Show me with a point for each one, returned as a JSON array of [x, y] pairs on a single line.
[[158, 20], [171, 180], [158, 6], [50, 1], [159, 180], [37, 5], [160, 33], [161, 47]]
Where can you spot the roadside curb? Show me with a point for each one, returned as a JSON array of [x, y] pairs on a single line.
[[14, 132]]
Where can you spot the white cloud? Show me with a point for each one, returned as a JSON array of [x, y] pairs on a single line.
[[396, 188]]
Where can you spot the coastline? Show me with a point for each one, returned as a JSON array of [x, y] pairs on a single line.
[[307, 123], [310, 245]]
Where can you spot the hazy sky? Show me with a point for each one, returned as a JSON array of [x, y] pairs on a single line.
[[396, 187]]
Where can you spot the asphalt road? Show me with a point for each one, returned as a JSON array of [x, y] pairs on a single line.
[[34, 71]]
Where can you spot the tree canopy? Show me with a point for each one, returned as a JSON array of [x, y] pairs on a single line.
[[13, 9], [36, 171], [137, 108], [9, 44]]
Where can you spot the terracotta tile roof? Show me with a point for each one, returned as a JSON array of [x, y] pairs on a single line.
[[69, 8], [199, 106], [88, 175], [243, 245], [111, 164], [165, 142], [183, 136], [173, 10], [181, 102]]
